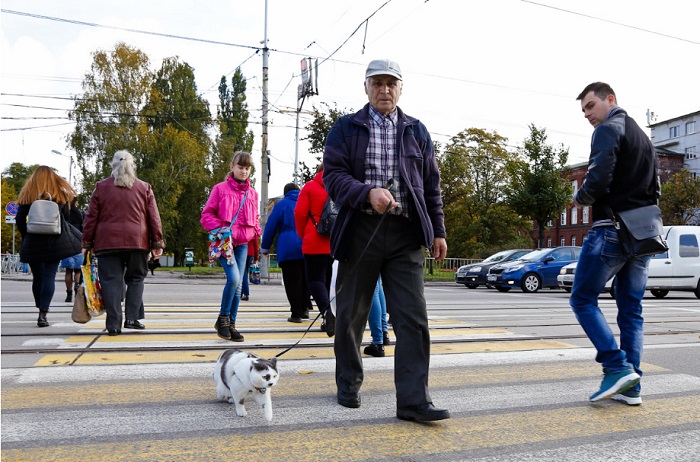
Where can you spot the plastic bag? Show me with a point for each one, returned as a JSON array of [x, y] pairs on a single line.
[[91, 281]]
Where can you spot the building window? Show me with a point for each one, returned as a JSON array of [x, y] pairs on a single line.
[[563, 218], [573, 240], [563, 241], [574, 186], [690, 153], [574, 216], [549, 242], [549, 224], [584, 218], [674, 132], [690, 128]]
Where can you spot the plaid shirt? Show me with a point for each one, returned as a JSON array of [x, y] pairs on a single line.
[[381, 160]]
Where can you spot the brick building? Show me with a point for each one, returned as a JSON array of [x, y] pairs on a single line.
[[574, 222]]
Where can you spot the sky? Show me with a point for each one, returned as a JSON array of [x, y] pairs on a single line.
[[498, 65]]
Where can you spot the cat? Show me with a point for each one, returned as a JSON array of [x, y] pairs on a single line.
[[240, 376]]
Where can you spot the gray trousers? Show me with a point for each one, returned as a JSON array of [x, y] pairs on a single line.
[[116, 269], [395, 253]]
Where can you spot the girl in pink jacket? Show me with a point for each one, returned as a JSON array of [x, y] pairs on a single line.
[[232, 203]]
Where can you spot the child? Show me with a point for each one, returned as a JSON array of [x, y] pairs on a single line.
[[231, 213]]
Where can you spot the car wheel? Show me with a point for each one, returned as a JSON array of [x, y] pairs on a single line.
[[659, 293], [471, 286], [503, 289], [531, 283], [568, 289]]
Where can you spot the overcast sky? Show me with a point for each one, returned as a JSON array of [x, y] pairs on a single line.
[[498, 65]]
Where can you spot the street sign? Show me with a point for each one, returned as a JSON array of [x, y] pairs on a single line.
[[11, 208], [10, 219]]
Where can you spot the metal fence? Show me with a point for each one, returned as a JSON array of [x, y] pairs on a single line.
[[11, 263], [436, 271]]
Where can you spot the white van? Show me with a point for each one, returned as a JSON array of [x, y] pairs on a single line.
[[679, 268]]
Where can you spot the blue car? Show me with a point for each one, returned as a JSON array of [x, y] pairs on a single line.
[[533, 271], [474, 275]]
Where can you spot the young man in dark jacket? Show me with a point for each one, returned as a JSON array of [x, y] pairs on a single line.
[[380, 162], [621, 176]]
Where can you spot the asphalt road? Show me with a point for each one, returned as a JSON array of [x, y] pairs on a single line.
[[514, 369]]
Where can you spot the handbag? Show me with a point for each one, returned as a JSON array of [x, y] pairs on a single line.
[[327, 220], [91, 282], [80, 312], [220, 239], [640, 231], [44, 217], [254, 274]]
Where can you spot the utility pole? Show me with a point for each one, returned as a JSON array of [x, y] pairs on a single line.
[[308, 87], [264, 159]]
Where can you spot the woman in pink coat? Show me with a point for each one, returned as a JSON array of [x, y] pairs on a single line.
[[232, 203]]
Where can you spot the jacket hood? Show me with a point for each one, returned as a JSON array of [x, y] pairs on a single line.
[[292, 195]]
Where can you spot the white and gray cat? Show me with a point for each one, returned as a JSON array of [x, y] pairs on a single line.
[[240, 375]]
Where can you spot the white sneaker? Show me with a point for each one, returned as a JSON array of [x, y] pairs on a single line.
[[630, 398]]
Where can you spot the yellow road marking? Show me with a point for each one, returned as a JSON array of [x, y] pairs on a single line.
[[194, 355], [395, 440], [290, 384]]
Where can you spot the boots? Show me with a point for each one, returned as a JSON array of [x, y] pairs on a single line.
[[69, 296], [223, 327], [235, 335], [41, 321]]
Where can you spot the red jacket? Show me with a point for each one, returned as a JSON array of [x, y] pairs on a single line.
[[311, 199]]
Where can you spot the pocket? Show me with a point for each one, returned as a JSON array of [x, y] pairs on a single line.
[[612, 252]]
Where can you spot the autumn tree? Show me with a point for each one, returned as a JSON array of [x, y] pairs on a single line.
[[473, 175], [323, 120], [680, 199], [107, 114], [232, 119], [536, 187]]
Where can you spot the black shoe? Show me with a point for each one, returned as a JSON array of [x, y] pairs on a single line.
[[330, 323], [69, 296], [294, 319], [222, 326], [235, 335], [351, 400], [422, 412], [305, 315], [386, 338], [42, 322], [129, 324], [245, 298], [113, 332], [375, 350]]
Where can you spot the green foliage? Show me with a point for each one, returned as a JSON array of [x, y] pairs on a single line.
[[473, 175], [107, 114], [9, 194], [680, 199], [537, 189], [16, 175], [232, 117], [323, 121]]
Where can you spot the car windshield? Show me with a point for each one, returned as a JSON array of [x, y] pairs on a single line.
[[535, 255], [500, 256]]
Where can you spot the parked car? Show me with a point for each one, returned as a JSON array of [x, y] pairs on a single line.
[[534, 270], [677, 269], [566, 279], [474, 275]]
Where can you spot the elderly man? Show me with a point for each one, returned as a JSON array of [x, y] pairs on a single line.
[[380, 168]]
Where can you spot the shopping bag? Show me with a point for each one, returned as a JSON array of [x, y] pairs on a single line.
[[254, 272], [91, 281], [80, 311]]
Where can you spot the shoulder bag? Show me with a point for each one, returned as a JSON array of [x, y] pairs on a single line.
[[640, 231]]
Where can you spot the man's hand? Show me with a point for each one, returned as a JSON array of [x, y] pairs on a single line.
[[156, 253], [439, 248], [380, 198]]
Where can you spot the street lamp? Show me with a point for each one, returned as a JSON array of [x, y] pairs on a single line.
[[70, 167]]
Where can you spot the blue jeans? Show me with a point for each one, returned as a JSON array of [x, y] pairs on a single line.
[[43, 283], [231, 297], [602, 257], [245, 287], [377, 315]]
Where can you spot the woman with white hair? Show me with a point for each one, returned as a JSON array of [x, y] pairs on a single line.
[[122, 226]]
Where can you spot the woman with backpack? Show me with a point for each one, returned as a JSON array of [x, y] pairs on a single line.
[[43, 252], [318, 263]]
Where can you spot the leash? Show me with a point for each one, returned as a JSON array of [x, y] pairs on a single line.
[[390, 187]]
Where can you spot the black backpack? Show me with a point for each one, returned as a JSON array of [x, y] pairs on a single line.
[[328, 216]]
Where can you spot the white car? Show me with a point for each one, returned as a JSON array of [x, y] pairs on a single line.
[[677, 269]]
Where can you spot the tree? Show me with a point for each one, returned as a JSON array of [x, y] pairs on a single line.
[[473, 175], [232, 117], [9, 194], [318, 128], [680, 199], [537, 189], [16, 175], [108, 113]]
